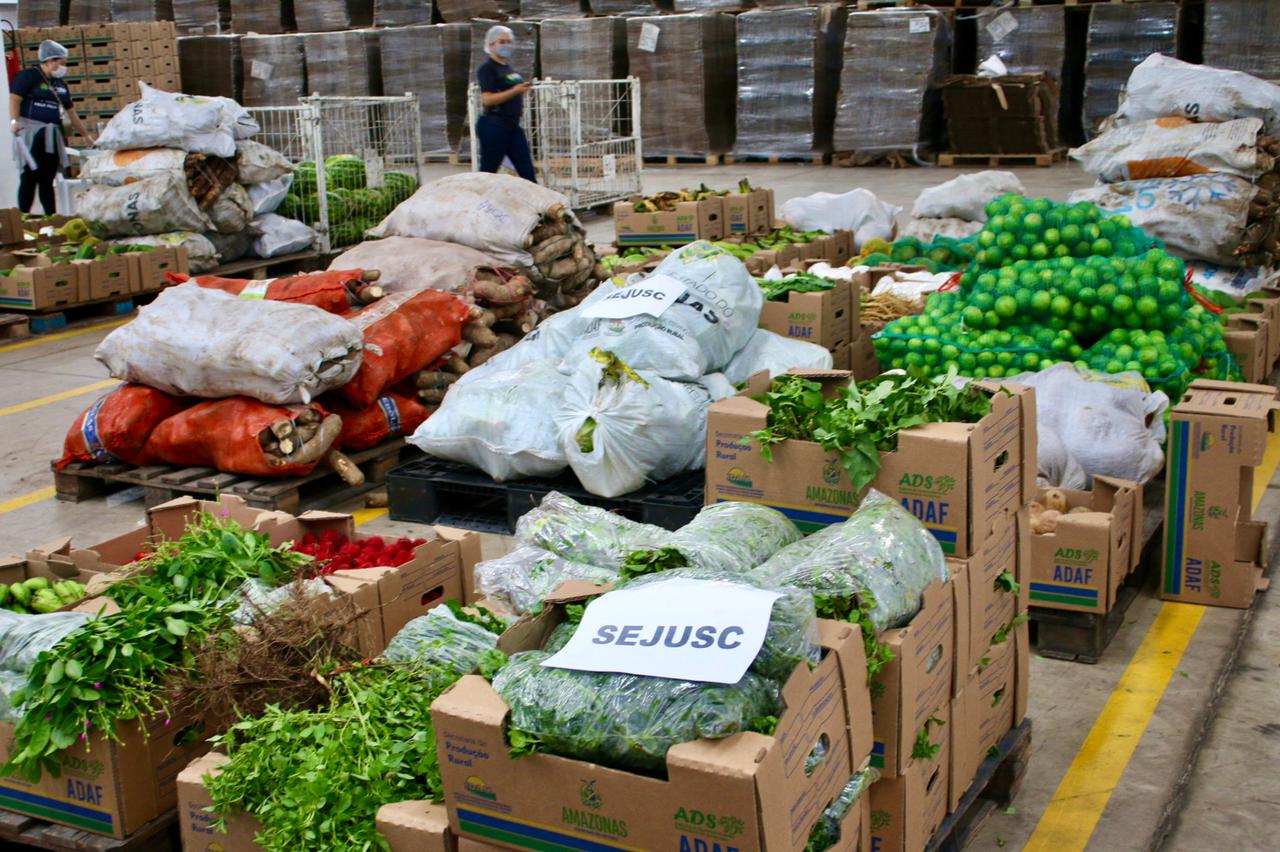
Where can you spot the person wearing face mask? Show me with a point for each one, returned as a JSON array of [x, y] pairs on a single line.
[[501, 93], [38, 96]]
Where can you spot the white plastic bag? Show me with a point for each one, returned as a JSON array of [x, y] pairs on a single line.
[[257, 163], [620, 428], [153, 205], [909, 285], [491, 213], [697, 334], [278, 235], [201, 125], [1161, 86], [965, 197], [502, 421], [196, 342], [1056, 467], [1156, 148], [414, 263], [267, 196], [1108, 423], [202, 255], [232, 212], [857, 210], [1201, 216], [118, 167], [777, 354], [928, 230], [1234, 282]]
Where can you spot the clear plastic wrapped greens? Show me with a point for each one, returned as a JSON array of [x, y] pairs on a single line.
[[586, 534], [258, 598], [733, 537], [559, 637], [882, 557], [826, 834], [792, 636], [11, 682], [524, 577], [442, 640], [625, 721], [25, 637]]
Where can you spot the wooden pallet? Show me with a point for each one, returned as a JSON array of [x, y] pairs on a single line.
[[258, 268], [160, 483], [816, 159], [994, 787], [18, 831], [1083, 637], [44, 320], [679, 160], [904, 159], [15, 327], [1043, 160]]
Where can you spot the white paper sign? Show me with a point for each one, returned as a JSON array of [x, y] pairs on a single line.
[[651, 295], [373, 169], [918, 25], [609, 163], [1002, 25], [260, 70], [701, 630], [648, 38]]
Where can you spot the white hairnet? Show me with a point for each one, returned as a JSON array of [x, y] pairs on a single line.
[[496, 32], [50, 49]]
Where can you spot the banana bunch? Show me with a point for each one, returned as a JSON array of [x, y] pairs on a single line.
[[667, 201], [39, 595]]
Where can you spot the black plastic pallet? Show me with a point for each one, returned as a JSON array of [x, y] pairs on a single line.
[[431, 491], [995, 786]]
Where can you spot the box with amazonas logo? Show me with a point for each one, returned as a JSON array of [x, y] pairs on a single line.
[[959, 479], [747, 791]]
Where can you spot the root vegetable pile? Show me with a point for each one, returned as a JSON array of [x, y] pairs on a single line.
[[564, 264]]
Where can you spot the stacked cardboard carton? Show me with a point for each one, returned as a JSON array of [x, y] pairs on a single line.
[[211, 65], [1213, 548], [107, 61], [1120, 36]]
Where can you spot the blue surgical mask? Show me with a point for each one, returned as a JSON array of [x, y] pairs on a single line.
[[504, 51]]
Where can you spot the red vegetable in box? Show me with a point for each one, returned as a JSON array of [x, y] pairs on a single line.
[[116, 427], [334, 552]]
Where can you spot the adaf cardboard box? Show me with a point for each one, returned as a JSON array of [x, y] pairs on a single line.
[[908, 809], [957, 478], [825, 318], [686, 222], [1213, 551], [748, 791]]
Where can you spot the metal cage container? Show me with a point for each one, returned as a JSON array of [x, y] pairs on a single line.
[[584, 135], [379, 143]]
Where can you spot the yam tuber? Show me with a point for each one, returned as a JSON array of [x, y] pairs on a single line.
[[456, 364], [434, 379], [494, 292], [344, 467], [479, 335], [1055, 500]]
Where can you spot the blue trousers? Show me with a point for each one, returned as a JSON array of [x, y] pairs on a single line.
[[500, 139]]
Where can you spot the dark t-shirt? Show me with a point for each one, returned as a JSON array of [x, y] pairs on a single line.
[[39, 103], [493, 77]]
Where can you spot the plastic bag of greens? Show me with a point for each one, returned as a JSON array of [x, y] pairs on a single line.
[[625, 721], [258, 598], [731, 537], [25, 637], [586, 533], [524, 577], [442, 640], [10, 682], [881, 556], [826, 834], [792, 635]]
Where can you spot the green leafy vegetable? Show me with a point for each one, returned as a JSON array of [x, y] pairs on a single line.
[[922, 749], [799, 282]]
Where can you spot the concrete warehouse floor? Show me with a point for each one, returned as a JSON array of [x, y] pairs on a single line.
[[1127, 754]]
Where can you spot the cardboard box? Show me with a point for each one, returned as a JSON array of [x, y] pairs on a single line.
[[106, 276], [197, 825], [403, 592], [1012, 114], [822, 318], [417, 827], [689, 221], [991, 704], [844, 246], [749, 213], [1213, 551], [40, 284], [1267, 303], [762, 261], [1082, 564], [863, 361], [747, 791], [149, 267], [916, 683], [985, 592], [112, 788], [1248, 341], [906, 810], [842, 357], [957, 478], [12, 230]]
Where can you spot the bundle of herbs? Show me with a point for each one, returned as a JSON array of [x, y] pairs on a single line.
[[862, 420]]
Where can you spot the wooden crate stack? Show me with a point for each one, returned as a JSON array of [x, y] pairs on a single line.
[[106, 63]]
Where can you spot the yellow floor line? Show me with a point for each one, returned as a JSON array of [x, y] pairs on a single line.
[[26, 500], [57, 397], [363, 516], [1068, 822], [50, 338]]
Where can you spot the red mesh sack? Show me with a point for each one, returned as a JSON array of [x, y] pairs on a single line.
[[117, 426], [407, 331], [391, 415], [225, 434], [332, 291]]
